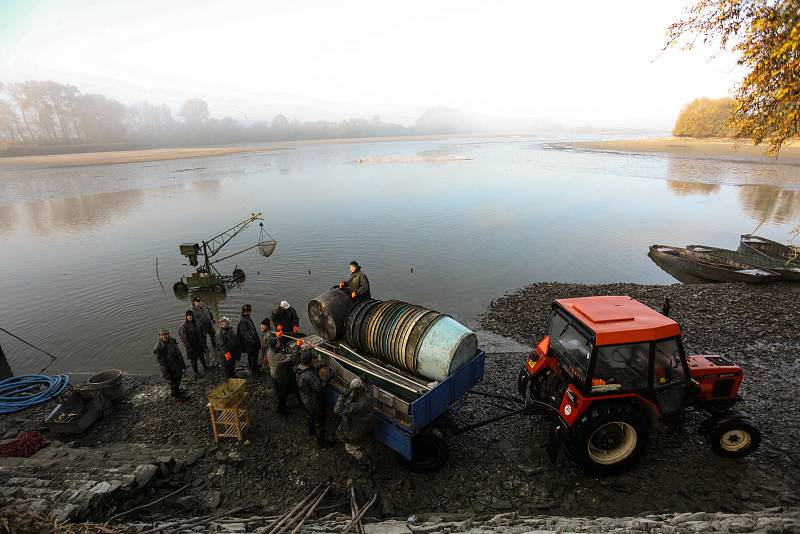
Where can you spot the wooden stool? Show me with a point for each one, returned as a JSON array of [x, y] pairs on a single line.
[[227, 422]]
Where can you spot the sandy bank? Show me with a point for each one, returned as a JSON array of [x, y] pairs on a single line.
[[700, 148], [163, 154], [124, 156]]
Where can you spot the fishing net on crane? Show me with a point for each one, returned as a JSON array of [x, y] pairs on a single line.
[[267, 246]]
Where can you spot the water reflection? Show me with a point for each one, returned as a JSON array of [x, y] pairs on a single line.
[[770, 203], [8, 218], [79, 213], [683, 189], [208, 189]]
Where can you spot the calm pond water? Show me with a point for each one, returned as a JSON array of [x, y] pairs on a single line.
[[474, 218]]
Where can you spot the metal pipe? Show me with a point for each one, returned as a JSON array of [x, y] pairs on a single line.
[[278, 522], [388, 369], [360, 514], [365, 369], [311, 510]]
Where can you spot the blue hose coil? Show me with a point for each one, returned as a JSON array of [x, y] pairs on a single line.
[[20, 392]]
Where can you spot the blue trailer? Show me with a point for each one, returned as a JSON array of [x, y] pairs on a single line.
[[405, 405]]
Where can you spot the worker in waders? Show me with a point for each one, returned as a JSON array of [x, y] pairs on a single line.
[[286, 317], [194, 342], [358, 285], [171, 362], [228, 348], [265, 336], [249, 341], [355, 429], [281, 361], [205, 319], [311, 382]]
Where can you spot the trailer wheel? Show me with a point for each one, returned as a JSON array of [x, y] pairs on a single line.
[[429, 453], [238, 275], [180, 287], [608, 438], [734, 439]]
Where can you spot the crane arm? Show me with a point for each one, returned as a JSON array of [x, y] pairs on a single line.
[[213, 245]]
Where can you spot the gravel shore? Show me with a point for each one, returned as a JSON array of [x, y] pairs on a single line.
[[503, 467]]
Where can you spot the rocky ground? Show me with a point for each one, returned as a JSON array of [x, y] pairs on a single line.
[[503, 467]]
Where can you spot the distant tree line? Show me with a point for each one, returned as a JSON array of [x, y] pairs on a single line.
[[39, 117], [705, 117], [764, 35]]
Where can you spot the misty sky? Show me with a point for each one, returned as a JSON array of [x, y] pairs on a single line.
[[576, 63]]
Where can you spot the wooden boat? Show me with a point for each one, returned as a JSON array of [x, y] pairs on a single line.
[[694, 264], [787, 271], [753, 244]]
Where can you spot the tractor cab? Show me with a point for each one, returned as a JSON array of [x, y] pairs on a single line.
[[616, 346], [615, 370]]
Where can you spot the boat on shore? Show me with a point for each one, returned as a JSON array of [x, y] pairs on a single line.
[[787, 271], [702, 268], [753, 244]]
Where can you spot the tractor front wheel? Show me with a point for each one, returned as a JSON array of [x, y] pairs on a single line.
[[734, 439], [607, 439]]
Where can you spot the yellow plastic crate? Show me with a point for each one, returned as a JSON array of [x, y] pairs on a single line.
[[229, 393]]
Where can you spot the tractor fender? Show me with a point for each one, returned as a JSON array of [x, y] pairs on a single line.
[[650, 410], [722, 418], [728, 416]]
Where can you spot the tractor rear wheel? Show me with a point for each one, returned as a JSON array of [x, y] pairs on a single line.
[[540, 386], [734, 439], [608, 438]]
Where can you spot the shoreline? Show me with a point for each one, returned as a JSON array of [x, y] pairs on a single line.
[[503, 467], [113, 157], [712, 148]]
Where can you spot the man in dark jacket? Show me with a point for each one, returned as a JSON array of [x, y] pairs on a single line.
[[286, 317], [171, 362], [228, 349], [311, 382], [205, 319], [194, 341], [281, 361], [358, 285], [249, 340], [355, 409]]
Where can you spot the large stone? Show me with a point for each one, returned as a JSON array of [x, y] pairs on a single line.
[[500, 504], [211, 499], [101, 487], [144, 474]]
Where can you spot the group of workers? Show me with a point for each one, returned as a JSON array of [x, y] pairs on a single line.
[[291, 366]]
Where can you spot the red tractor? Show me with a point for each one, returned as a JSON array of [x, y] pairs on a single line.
[[615, 371]]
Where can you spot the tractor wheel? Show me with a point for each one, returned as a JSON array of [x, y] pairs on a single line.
[[522, 382], [608, 438], [734, 439], [539, 386], [429, 453], [180, 287]]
